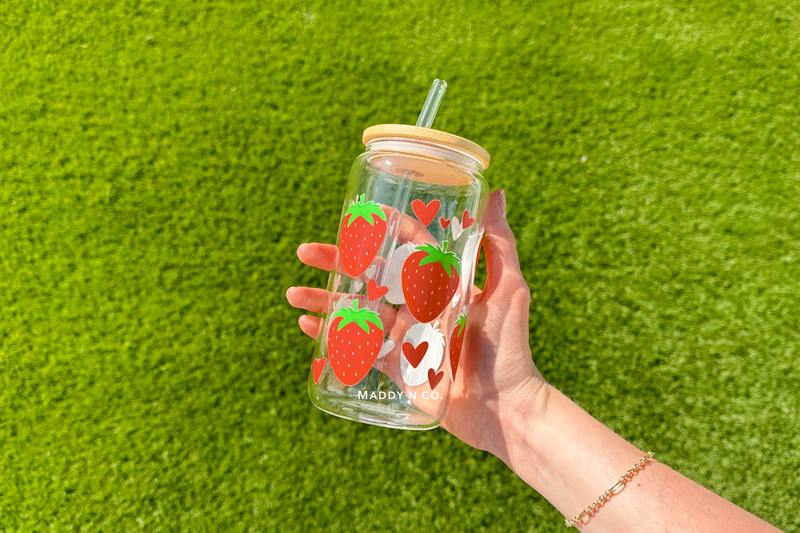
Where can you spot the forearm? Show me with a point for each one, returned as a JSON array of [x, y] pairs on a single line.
[[571, 459]]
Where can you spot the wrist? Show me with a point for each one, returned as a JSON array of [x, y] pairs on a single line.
[[522, 414]]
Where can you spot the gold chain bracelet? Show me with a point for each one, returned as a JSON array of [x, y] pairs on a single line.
[[610, 492]]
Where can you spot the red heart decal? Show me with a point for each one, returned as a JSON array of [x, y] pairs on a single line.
[[374, 291], [434, 378], [415, 355], [444, 222], [319, 366], [466, 220], [425, 213]]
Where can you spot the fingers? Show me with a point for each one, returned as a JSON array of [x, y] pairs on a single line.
[[310, 299], [326, 257], [500, 249], [311, 325], [319, 300], [318, 255]]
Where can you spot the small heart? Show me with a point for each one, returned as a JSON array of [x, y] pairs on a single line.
[[434, 378], [357, 285], [425, 213], [415, 354], [466, 220], [371, 270], [336, 280], [374, 291], [387, 347], [456, 299], [319, 366], [444, 222], [457, 229]]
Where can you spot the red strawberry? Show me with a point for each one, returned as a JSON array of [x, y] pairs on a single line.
[[456, 339], [430, 280], [363, 231], [354, 342]]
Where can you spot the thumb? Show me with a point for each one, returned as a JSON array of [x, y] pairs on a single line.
[[500, 249]]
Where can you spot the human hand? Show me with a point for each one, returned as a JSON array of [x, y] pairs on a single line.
[[497, 375], [496, 370]]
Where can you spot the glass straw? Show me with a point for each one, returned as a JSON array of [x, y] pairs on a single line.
[[400, 203], [431, 106]]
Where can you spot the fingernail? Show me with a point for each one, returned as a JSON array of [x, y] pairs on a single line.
[[287, 291], [501, 201]]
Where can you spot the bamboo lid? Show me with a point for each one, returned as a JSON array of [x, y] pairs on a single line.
[[449, 140]]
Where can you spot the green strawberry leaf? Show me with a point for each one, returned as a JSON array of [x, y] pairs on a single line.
[[437, 254], [368, 211], [361, 317], [461, 323]]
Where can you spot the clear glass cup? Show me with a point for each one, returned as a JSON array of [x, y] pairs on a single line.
[[408, 240]]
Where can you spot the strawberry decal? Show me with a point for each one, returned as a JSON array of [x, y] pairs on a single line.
[[456, 339], [467, 220], [318, 367], [430, 279], [363, 231], [425, 212], [354, 342], [434, 378], [375, 291]]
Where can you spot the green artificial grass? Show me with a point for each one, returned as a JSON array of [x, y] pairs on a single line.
[[160, 162]]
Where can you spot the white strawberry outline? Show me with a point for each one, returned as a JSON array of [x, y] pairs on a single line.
[[431, 360], [393, 276], [468, 259]]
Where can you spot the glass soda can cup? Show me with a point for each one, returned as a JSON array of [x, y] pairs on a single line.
[[389, 349]]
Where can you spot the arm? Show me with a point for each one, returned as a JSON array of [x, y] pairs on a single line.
[[555, 446], [571, 459], [500, 403]]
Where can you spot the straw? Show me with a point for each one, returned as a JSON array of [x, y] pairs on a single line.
[[400, 204], [402, 196], [431, 106]]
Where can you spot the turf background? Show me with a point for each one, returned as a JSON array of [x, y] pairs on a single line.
[[160, 162]]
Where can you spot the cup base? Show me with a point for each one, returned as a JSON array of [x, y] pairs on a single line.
[[386, 416]]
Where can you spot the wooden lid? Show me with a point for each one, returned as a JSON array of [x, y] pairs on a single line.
[[402, 131], [422, 169]]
